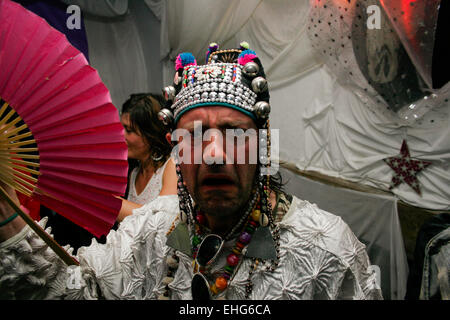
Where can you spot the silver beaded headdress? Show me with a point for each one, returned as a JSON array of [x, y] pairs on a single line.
[[234, 78]]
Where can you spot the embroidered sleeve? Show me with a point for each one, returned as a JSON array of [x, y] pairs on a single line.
[[128, 266], [29, 269]]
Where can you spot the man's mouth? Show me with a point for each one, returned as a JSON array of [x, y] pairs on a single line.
[[218, 181]]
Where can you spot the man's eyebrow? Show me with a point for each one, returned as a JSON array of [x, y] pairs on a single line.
[[221, 123], [192, 125], [232, 123]]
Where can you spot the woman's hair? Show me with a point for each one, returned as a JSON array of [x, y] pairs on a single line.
[[143, 111]]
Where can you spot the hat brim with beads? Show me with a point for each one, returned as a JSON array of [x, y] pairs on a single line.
[[232, 78]]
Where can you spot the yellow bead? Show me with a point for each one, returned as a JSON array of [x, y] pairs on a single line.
[[195, 266], [255, 215], [237, 250], [214, 289]]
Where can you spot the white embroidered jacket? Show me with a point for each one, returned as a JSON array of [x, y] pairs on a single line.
[[320, 258]]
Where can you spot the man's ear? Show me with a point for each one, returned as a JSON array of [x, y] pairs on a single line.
[[169, 138]]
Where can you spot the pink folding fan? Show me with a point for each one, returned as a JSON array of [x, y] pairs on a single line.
[[61, 140]]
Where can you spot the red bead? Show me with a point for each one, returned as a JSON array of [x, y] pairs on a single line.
[[232, 259], [200, 219]]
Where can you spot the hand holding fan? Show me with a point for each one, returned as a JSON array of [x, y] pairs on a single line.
[[61, 140]]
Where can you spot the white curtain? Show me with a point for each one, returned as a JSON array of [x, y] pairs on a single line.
[[275, 29], [123, 38], [324, 125], [102, 8], [329, 130]]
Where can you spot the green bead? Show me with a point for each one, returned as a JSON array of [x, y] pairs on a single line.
[[195, 241], [229, 269]]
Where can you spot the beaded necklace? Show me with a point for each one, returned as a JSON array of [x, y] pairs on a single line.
[[201, 219], [251, 219]]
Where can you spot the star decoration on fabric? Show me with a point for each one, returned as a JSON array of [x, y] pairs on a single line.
[[406, 168]]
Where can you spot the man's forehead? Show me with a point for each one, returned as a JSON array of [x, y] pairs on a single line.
[[215, 116]]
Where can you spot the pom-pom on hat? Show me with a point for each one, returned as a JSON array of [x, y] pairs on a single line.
[[244, 45], [233, 78], [246, 56], [212, 48], [185, 59]]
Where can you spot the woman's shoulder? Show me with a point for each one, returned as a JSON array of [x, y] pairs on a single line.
[[169, 178], [168, 165]]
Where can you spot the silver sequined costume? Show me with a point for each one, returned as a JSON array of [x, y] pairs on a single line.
[[320, 258]]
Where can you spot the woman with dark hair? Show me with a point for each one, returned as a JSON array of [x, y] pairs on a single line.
[[152, 171]]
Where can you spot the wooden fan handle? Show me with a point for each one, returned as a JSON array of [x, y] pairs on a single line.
[[63, 254]]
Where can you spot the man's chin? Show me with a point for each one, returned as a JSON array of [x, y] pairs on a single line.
[[218, 203]]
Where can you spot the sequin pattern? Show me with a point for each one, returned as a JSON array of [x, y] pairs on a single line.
[[320, 258]]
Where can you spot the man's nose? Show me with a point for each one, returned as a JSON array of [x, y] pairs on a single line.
[[214, 152]]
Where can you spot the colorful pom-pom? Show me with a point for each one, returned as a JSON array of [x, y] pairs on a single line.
[[244, 45], [212, 48], [246, 56], [185, 59]]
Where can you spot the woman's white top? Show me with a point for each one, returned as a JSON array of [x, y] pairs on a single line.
[[151, 190]]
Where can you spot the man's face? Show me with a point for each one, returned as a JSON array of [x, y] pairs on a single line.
[[220, 190]]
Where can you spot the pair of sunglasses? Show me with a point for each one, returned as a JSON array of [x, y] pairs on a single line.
[[207, 253]]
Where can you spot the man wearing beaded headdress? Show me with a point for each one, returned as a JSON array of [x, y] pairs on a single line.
[[265, 244]]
